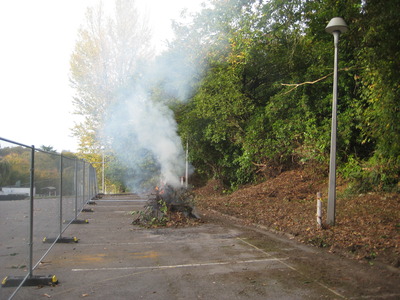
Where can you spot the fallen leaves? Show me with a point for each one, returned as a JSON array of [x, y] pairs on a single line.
[[367, 225]]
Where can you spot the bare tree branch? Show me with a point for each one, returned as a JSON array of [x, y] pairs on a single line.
[[296, 85]]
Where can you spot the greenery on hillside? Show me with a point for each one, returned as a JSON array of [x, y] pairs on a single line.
[[260, 87], [264, 104]]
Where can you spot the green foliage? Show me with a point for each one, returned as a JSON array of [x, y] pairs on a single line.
[[5, 172], [265, 101], [149, 218], [379, 89], [15, 165], [263, 104]]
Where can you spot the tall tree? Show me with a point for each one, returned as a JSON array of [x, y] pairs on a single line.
[[379, 58], [273, 61], [104, 62]]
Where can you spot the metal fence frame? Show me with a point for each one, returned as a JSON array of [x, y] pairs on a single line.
[[84, 191]]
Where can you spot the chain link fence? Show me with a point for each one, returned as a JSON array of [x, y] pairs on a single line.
[[41, 194]]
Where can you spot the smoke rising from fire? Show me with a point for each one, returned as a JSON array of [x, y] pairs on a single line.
[[141, 128]]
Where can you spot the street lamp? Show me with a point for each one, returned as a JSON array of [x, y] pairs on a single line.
[[102, 174], [336, 26], [187, 165], [103, 163]]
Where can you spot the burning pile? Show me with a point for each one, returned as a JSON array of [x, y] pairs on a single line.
[[168, 206]]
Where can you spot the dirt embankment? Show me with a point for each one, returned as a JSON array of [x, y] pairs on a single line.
[[367, 225]]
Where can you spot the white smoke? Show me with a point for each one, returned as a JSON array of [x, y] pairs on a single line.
[[142, 130]]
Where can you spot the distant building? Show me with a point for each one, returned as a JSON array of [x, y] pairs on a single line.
[[49, 191], [15, 193], [12, 190]]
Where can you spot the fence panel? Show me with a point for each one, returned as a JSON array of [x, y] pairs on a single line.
[[46, 225], [68, 191], [14, 212], [41, 194]]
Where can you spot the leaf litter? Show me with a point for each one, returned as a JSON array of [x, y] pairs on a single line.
[[367, 225]]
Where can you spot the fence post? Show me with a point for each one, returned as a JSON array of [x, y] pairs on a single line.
[[61, 191], [76, 188], [84, 182], [89, 184], [32, 197]]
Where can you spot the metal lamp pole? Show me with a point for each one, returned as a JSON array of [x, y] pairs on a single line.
[[102, 162], [336, 26], [102, 176], [187, 165]]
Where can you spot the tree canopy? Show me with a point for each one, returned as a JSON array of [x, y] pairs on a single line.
[[259, 86], [264, 104]]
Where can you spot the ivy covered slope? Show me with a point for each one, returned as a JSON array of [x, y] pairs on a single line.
[[261, 103]]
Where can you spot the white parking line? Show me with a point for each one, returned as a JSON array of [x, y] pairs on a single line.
[[170, 241], [207, 264], [122, 200], [120, 244], [293, 268]]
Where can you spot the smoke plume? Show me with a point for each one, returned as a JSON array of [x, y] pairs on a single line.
[[141, 128]]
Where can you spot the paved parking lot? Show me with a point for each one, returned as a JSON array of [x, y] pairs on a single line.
[[215, 260]]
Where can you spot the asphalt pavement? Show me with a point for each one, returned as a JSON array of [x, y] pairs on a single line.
[[217, 259]]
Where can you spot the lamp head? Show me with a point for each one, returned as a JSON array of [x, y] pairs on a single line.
[[336, 24]]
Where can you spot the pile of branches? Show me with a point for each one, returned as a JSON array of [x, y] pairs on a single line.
[[168, 207]]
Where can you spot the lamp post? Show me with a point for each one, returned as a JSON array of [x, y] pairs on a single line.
[[103, 163], [102, 174], [336, 26], [187, 165]]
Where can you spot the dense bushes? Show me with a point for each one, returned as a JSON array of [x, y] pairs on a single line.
[[264, 103]]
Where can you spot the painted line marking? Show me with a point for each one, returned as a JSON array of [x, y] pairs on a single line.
[[128, 208], [119, 205], [121, 200], [381, 296], [150, 242], [121, 244], [207, 264], [293, 268]]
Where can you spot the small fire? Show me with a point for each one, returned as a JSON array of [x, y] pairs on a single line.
[[159, 190], [169, 202]]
